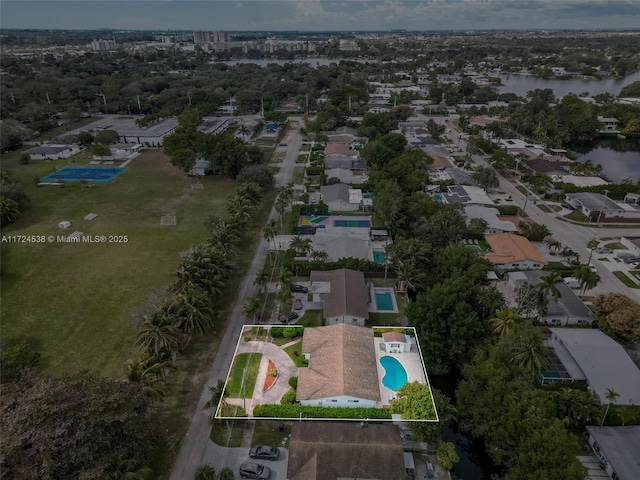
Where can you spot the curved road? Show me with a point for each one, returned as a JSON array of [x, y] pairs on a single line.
[[194, 444]]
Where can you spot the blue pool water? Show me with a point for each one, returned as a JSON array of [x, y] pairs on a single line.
[[395, 375], [384, 301], [76, 174], [379, 256], [437, 197]]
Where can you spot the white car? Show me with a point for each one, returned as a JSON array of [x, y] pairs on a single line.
[[634, 265], [593, 268]]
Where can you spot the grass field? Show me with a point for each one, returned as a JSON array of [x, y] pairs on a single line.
[[298, 360], [75, 302], [244, 365], [624, 278]]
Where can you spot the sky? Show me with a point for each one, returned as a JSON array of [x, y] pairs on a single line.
[[314, 15]]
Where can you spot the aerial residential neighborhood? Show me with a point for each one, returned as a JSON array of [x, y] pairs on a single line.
[[310, 240]]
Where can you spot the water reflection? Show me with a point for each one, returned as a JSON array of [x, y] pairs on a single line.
[[620, 159]]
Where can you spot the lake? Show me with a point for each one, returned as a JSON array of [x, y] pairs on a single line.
[[521, 84], [620, 159]]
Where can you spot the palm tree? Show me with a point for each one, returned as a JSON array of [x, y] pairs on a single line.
[[548, 285], [505, 320], [239, 209], [244, 131], [192, 310], [611, 395], [527, 351], [148, 371], [120, 468], [285, 297], [205, 472], [9, 210], [251, 191], [284, 277], [269, 235], [281, 207], [205, 267], [262, 280], [554, 245], [159, 334], [588, 278], [319, 255], [251, 308], [218, 396]]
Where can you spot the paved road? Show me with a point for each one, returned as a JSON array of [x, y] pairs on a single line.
[[194, 445], [574, 236]]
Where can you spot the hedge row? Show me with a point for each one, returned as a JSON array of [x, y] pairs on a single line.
[[287, 332], [507, 209], [296, 410], [304, 269], [314, 171]]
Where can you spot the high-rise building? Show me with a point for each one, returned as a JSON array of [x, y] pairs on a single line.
[[103, 45], [219, 36]]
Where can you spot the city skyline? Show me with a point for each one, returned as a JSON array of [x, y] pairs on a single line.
[[320, 15]]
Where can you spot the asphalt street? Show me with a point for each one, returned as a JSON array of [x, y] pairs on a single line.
[[194, 445]]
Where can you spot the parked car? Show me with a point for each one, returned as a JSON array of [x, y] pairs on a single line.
[[299, 288], [593, 268], [264, 452], [603, 250], [256, 471], [289, 317], [297, 304], [567, 206], [625, 255], [634, 265], [630, 260]]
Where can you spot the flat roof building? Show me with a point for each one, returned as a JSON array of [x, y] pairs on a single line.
[[618, 449]]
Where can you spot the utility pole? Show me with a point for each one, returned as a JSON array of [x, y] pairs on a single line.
[[262, 106], [139, 107], [104, 100], [604, 199]]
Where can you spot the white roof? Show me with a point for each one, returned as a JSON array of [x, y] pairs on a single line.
[[489, 215], [355, 195], [602, 361]]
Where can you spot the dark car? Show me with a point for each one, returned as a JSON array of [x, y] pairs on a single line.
[[299, 288], [289, 317], [567, 206], [264, 452], [255, 471]]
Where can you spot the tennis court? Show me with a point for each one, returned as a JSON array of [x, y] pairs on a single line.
[[78, 174], [326, 221]]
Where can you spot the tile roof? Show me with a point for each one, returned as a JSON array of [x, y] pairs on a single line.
[[330, 450], [338, 149], [348, 295], [393, 337], [509, 248], [342, 362]]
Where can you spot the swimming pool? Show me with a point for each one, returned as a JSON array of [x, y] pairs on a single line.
[[77, 174], [384, 301], [395, 375], [437, 197], [379, 256]]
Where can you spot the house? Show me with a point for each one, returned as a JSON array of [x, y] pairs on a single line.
[[339, 149], [396, 342], [341, 197], [618, 449], [632, 243], [492, 216], [346, 176], [610, 124], [343, 294], [590, 356], [339, 450], [52, 151], [466, 195], [342, 367], [342, 243], [511, 252], [568, 309], [349, 162], [151, 135], [599, 207]]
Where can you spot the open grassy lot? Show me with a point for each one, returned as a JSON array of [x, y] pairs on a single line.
[[75, 300]]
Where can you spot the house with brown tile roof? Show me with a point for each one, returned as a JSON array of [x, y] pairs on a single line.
[[339, 149], [331, 450], [513, 252], [342, 369], [344, 295]]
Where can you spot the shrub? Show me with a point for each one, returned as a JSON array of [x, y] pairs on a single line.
[[291, 332], [288, 398], [300, 411], [313, 171], [293, 382], [273, 372], [296, 353], [277, 332]]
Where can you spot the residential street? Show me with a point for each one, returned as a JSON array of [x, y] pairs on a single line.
[[574, 236], [194, 445]]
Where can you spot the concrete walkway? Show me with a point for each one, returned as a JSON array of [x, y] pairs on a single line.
[[286, 370]]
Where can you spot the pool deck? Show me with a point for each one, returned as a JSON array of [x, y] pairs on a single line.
[[411, 361]]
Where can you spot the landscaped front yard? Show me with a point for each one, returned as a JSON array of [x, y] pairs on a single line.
[[245, 365]]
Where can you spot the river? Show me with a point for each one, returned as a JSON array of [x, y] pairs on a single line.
[[620, 159], [521, 84]]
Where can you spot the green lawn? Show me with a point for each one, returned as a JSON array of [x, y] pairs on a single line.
[[311, 318], [228, 433], [383, 319], [246, 366], [77, 302], [266, 432], [299, 359], [615, 246], [624, 278], [577, 216]]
